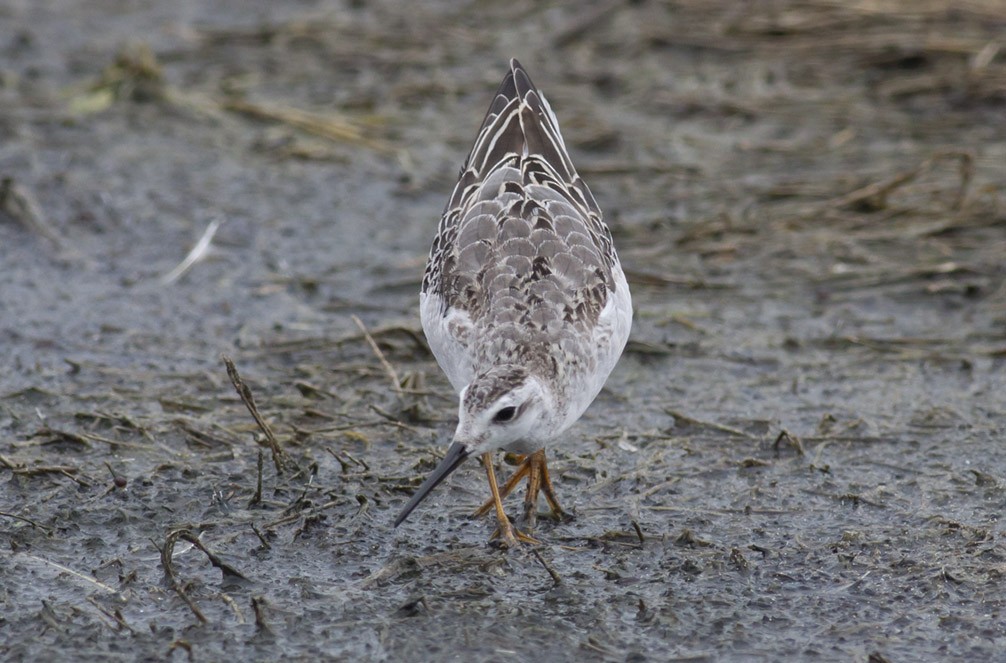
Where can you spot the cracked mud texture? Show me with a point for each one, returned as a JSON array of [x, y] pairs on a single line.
[[800, 456]]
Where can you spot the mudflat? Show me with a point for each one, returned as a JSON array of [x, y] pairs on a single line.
[[800, 456]]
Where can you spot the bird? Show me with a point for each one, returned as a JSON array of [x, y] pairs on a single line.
[[523, 302]]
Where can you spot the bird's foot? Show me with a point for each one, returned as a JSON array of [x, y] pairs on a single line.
[[507, 537]]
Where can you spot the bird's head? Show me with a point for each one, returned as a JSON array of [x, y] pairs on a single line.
[[500, 408]]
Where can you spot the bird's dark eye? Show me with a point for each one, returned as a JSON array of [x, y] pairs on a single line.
[[504, 415]]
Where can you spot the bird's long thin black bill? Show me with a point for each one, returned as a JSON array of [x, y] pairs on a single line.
[[456, 454]]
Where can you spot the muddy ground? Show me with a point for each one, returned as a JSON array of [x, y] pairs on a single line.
[[800, 456]]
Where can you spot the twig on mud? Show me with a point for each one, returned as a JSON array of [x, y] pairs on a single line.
[[66, 470], [76, 574], [18, 203], [279, 457], [120, 444], [392, 420], [261, 537], [203, 437], [261, 625], [257, 497], [849, 585], [115, 420], [234, 606], [348, 430], [556, 578], [169, 570], [344, 464], [793, 440], [197, 253], [119, 480], [708, 424], [462, 556], [225, 568], [854, 498], [816, 462], [611, 538], [325, 344], [874, 196], [639, 531], [48, 435], [136, 75], [356, 460], [31, 522], [311, 471], [182, 644], [114, 615], [289, 518], [169, 573], [326, 125], [396, 383]]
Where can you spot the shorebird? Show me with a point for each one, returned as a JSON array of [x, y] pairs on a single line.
[[524, 303]]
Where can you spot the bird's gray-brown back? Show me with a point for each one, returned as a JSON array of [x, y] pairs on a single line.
[[521, 247]]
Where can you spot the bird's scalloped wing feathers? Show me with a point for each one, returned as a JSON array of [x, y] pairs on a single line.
[[517, 178]]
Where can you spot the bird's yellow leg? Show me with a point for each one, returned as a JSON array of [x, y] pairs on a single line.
[[539, 481], [535, 468], [505, 531], [507, 488]]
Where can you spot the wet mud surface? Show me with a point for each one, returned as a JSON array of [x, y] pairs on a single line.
[[800, 456]]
